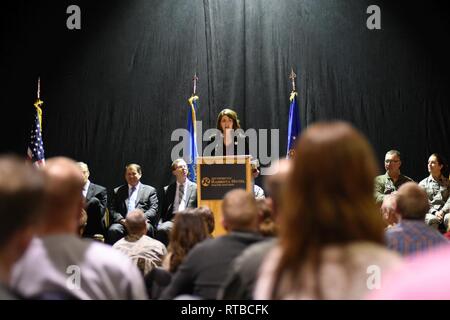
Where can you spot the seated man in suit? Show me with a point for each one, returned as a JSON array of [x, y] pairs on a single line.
[[96, 201], [177, 196], [130, 196]]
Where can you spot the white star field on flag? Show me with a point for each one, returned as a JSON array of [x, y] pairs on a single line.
[[36, 146]]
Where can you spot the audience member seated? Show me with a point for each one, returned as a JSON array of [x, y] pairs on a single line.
[[240, 282], [144, 251], [388, 210], [96, 202], [437, 187], [205, 267], [330, 227], [177, 196], [130, 196], [59, 261], [21, 200], [83, 222], [156, 281], [208, 217], [266, 224], [411, 234], [392, 179], [189, 228]]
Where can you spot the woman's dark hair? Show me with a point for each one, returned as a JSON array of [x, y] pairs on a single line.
[[189, 228], [441, 160], [267, 226], [230, 114], [208, 216]]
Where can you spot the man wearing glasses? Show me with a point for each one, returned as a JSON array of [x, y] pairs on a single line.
[[177, 196], [392, 179]]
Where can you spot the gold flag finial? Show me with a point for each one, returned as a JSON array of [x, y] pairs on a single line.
[[292, 76]]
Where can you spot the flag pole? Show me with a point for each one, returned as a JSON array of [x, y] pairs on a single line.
[[39, 88], [192, 127], [39, 102], [194, 80]]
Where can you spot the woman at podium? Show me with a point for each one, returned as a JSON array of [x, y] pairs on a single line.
[[234, 141]]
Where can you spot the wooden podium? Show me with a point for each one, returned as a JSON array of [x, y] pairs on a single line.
[[218, 175]]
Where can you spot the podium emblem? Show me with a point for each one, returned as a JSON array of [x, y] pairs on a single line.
[[206, 182]]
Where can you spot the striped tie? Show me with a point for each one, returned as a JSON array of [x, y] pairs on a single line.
[[180, 193]]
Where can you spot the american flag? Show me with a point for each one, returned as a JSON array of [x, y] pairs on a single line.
[[36, 146]]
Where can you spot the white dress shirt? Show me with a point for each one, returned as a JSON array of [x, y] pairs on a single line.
[[86, 188], [133, 197]]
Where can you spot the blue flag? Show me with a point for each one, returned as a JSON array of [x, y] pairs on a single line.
[[35, 150], [191, 157], [293, 125]]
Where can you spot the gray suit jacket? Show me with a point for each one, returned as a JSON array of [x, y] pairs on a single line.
[[96, 202], [147, 201]]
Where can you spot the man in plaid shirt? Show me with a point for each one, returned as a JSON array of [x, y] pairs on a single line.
[[411, 234]]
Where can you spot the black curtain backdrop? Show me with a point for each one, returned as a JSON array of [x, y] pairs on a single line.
[[116, 89]]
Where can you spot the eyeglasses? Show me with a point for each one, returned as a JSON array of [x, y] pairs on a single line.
[[389, 161]]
